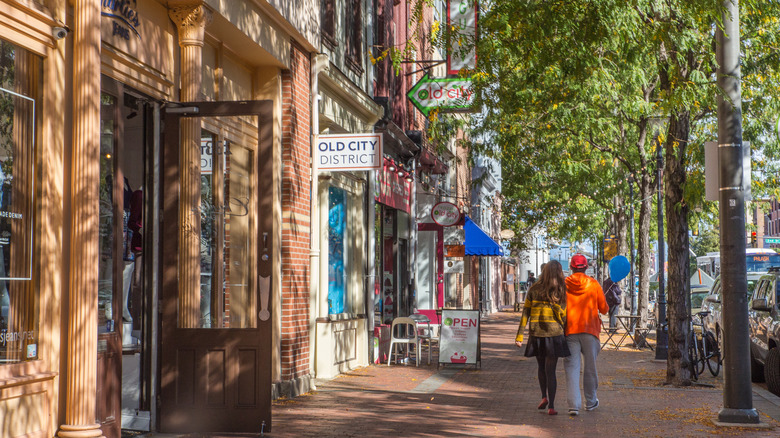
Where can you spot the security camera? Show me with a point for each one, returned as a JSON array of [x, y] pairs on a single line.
[[60, 32]]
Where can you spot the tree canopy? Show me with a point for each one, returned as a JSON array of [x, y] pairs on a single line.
[[577, 97]]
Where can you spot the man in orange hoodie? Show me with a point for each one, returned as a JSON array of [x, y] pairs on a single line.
[[584, 301]]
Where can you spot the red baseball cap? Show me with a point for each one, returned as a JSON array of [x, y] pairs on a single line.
[[578, 261]]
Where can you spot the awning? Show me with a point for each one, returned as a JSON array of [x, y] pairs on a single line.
[[478, 243]]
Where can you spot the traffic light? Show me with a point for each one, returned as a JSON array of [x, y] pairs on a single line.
[[753, 238]]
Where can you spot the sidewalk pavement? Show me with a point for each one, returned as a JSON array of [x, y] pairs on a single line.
[[500, 399]]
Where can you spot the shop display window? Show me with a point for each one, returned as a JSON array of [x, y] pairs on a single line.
[[337, 251], [20, 87]]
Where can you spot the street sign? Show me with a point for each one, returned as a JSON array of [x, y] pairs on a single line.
[[342, 152], [771, 240], [446, 94]]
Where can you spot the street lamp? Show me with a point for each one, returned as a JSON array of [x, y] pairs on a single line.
[[662, 335], [631, 281]]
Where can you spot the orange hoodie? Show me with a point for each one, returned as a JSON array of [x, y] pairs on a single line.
[[584, 301]]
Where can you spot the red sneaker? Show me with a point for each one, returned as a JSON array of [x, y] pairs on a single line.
[[552, 411], [543, 404]]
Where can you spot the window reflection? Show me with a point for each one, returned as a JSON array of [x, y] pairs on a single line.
[[226, 228], [20, 85]]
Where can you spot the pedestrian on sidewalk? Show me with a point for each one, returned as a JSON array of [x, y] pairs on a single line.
[[612, 293], [585, 300], [545, 311]]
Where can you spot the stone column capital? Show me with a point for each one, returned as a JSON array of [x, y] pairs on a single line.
[[191, 20]]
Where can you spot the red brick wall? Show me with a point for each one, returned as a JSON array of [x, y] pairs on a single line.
[[296, 199]]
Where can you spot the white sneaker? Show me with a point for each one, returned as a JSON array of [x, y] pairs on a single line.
[[574, 412], [590, 408]]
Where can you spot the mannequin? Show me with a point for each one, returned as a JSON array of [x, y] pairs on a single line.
[[133, 219]]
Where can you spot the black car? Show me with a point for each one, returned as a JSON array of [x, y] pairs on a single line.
[[765, 331]]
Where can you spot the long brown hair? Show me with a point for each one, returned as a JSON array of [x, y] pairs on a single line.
[[551, 285]]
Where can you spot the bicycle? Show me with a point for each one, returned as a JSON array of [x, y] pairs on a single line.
[[693, 351], [709, 348]]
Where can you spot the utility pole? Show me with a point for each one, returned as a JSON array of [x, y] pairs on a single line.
[[661, 331], [737, 390]]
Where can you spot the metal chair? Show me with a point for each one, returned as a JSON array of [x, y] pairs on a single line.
[[404, 331], [425, 332]]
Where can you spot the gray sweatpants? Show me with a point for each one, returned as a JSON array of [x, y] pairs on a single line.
[[588, 346]]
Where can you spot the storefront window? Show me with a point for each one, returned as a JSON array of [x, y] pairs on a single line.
[[337, 254], [106, 216], [20, 85]]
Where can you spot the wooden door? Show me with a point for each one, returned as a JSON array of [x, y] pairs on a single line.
[[217, 240]]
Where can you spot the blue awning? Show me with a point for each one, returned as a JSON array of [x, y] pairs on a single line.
[[478, 243]]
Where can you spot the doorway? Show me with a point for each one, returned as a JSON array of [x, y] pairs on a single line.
[[126, 291], [217, 244]]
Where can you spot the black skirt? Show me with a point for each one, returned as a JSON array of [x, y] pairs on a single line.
[[547, 347]]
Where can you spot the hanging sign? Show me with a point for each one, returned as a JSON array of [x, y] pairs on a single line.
[[342, 152], [462, 17], [445, 214], [444, 94], [459, 343]]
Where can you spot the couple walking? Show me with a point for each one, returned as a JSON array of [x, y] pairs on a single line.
[[564, 321]]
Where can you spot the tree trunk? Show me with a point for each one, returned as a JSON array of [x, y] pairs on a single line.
[[620, 226], [677, 368]]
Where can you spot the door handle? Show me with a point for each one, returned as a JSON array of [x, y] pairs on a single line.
[[264, 283]]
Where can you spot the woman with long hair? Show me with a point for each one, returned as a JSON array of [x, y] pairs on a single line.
[[545, 312]]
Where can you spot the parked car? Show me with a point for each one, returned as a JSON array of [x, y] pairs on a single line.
[[764, 319], [711, 303], [698, 294]]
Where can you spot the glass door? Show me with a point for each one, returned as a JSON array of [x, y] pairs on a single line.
[[216, 268], [124, 288]]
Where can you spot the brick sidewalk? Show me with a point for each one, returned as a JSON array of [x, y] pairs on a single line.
[[500, 400]]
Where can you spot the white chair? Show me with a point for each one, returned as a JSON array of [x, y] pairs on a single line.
[[425, 332], [404, 331]]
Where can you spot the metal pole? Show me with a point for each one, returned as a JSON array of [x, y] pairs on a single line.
[[737, 391], [662, 333], [631, 280], [371, 265], [536, 254]]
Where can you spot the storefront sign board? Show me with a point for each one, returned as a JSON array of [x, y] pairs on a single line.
[[343, 152], [459, 343], [393, 190], [454, 266], [445, 214]]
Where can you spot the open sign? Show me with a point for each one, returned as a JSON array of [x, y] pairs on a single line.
[[445, 214]]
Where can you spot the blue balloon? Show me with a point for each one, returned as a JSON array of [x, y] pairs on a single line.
[[619, 267]]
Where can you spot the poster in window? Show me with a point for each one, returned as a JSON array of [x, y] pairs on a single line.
[[336, 229]]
